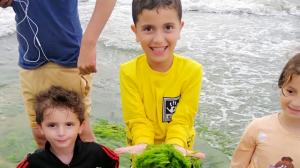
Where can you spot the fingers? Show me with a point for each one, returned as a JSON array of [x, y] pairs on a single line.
[[181, 149], [2, 2], [135, 149], [5, 3], [85, 70], [186, 152], [121, 150], [198, 155]]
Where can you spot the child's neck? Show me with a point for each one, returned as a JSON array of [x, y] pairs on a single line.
[[289, 123], [65, 155], [161, 67]]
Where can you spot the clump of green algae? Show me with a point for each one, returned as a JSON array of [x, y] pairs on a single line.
[[164, 156]]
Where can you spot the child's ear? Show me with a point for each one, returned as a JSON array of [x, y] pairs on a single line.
[[83, 124], [40, 129], [133, 29], [181, 26]]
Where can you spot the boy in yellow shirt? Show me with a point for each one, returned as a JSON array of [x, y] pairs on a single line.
[[159, 89]]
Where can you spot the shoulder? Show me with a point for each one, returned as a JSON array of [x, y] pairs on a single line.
[[100, 150], [107, 156], [131, 67], [187, 63], [133, 63], [187, 68], [108, 152], [24, 163], [261, 123], [264, 121], [32, 158]]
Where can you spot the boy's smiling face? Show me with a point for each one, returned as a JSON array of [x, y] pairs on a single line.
[[158, 31]]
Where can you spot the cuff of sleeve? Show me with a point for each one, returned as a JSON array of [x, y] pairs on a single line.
[[175, 141]]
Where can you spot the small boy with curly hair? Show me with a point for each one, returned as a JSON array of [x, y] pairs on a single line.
[[60, 118]]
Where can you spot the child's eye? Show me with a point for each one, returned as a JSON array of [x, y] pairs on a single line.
[[69, 124], [51, 125], [289, 92], [147, 29], [169, 27]]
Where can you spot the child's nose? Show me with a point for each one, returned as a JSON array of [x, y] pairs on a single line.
[[158, 37], [61, 131]]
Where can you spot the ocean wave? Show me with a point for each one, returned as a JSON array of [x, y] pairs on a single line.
[[236, 7], [239, 7], [7, 23]]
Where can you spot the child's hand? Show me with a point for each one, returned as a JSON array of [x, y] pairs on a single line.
[[135, 149], [87, 59], [186, 152], [5, 3]]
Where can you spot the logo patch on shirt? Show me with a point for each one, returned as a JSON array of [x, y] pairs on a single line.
[[169, 108], [285, 162]]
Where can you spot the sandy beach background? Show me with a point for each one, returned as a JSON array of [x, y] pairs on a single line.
[[242, 46]]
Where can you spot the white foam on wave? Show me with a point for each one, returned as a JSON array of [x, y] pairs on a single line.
[[258, 7], [7, 24]]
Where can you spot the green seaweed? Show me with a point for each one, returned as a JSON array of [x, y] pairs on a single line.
[[164, 156], [14, 146], [105, 129], [217, 138], [112, 135]]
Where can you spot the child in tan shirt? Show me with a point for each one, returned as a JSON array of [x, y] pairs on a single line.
[[273, 141]]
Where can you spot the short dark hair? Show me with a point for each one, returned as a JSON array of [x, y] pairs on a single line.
[[55, 97], [139, 5], [291, 68]]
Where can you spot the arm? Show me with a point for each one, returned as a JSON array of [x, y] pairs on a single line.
[[109, 158], [245, 149], [5, 3], [140, 129], [184, 117], [87, 57], [23, 164]]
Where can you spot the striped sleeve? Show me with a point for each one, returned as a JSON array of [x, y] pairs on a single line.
[[110, 158], [23, 164]]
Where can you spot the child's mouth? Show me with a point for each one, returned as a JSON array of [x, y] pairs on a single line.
[[158, 51], [294, 111]]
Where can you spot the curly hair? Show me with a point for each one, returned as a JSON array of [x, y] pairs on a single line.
[[56, 97]]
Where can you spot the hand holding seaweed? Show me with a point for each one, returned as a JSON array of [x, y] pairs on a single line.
[[164, 156], [186, 152], [136, 149]]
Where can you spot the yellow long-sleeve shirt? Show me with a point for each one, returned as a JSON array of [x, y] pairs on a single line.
[[160, 107]]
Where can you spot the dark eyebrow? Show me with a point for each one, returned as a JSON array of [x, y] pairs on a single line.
[[50, 123], [169, 23], [146, 25]]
